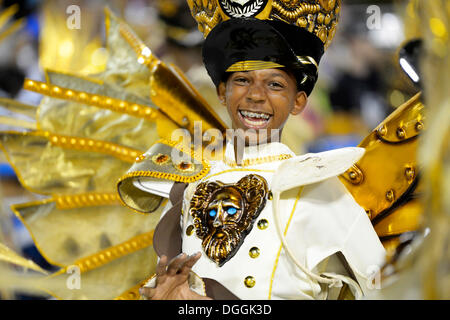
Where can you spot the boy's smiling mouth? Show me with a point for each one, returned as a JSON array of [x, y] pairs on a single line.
[[254, 119]]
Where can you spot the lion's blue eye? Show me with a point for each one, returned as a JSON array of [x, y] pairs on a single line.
[[212, 213], [231, 210]]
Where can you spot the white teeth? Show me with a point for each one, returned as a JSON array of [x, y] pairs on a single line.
[[255, 114]]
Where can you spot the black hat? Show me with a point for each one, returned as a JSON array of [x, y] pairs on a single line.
[[243, 35], [253, 44]]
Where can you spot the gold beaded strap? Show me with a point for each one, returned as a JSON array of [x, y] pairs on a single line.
[[256, 161], [86, 200], [105, 256], [85, 144], [98, 259], [144, 54], [118, 151], [104, 102]]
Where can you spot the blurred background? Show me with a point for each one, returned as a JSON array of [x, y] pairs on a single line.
[[360, 81]]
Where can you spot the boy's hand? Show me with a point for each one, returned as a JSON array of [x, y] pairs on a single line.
[[172, 280]]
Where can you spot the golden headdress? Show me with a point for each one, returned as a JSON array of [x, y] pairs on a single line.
[[320, 17]]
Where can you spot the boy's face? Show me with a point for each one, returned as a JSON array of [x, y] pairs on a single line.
[[261, 99]]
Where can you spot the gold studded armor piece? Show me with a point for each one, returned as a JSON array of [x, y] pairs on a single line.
[[319, 17], [385, 179]]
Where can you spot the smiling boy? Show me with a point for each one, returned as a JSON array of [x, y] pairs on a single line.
[[261, 99], [263, 223]]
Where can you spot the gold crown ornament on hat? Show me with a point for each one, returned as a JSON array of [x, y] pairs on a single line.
[[320, 17]]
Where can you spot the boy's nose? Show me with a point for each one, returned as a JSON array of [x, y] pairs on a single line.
[[256, 93]]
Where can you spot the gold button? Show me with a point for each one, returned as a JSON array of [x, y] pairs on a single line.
[[249, 282], [190, 230], [263, 224], [419, 126], [270, 196], [254, 252], [382, 131]]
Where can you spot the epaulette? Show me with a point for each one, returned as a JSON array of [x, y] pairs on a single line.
[[385, 180], [165, 160]]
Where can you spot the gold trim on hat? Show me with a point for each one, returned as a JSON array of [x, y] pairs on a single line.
[[308, 60], [251, 65]]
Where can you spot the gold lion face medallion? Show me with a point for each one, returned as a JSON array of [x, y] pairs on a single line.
[[224, 214]]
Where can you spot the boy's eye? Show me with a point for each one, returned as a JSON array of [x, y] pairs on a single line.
[[276, 85], [241, 80]]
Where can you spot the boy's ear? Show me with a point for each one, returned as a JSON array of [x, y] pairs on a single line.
[[221, 93], [300, 103]]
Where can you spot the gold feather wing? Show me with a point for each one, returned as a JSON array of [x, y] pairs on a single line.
[[88, 131]]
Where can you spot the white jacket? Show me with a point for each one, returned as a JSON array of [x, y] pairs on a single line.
[[312, 219]]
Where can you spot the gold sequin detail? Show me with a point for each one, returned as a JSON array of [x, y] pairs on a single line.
[[160, 159], [185, 166]]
